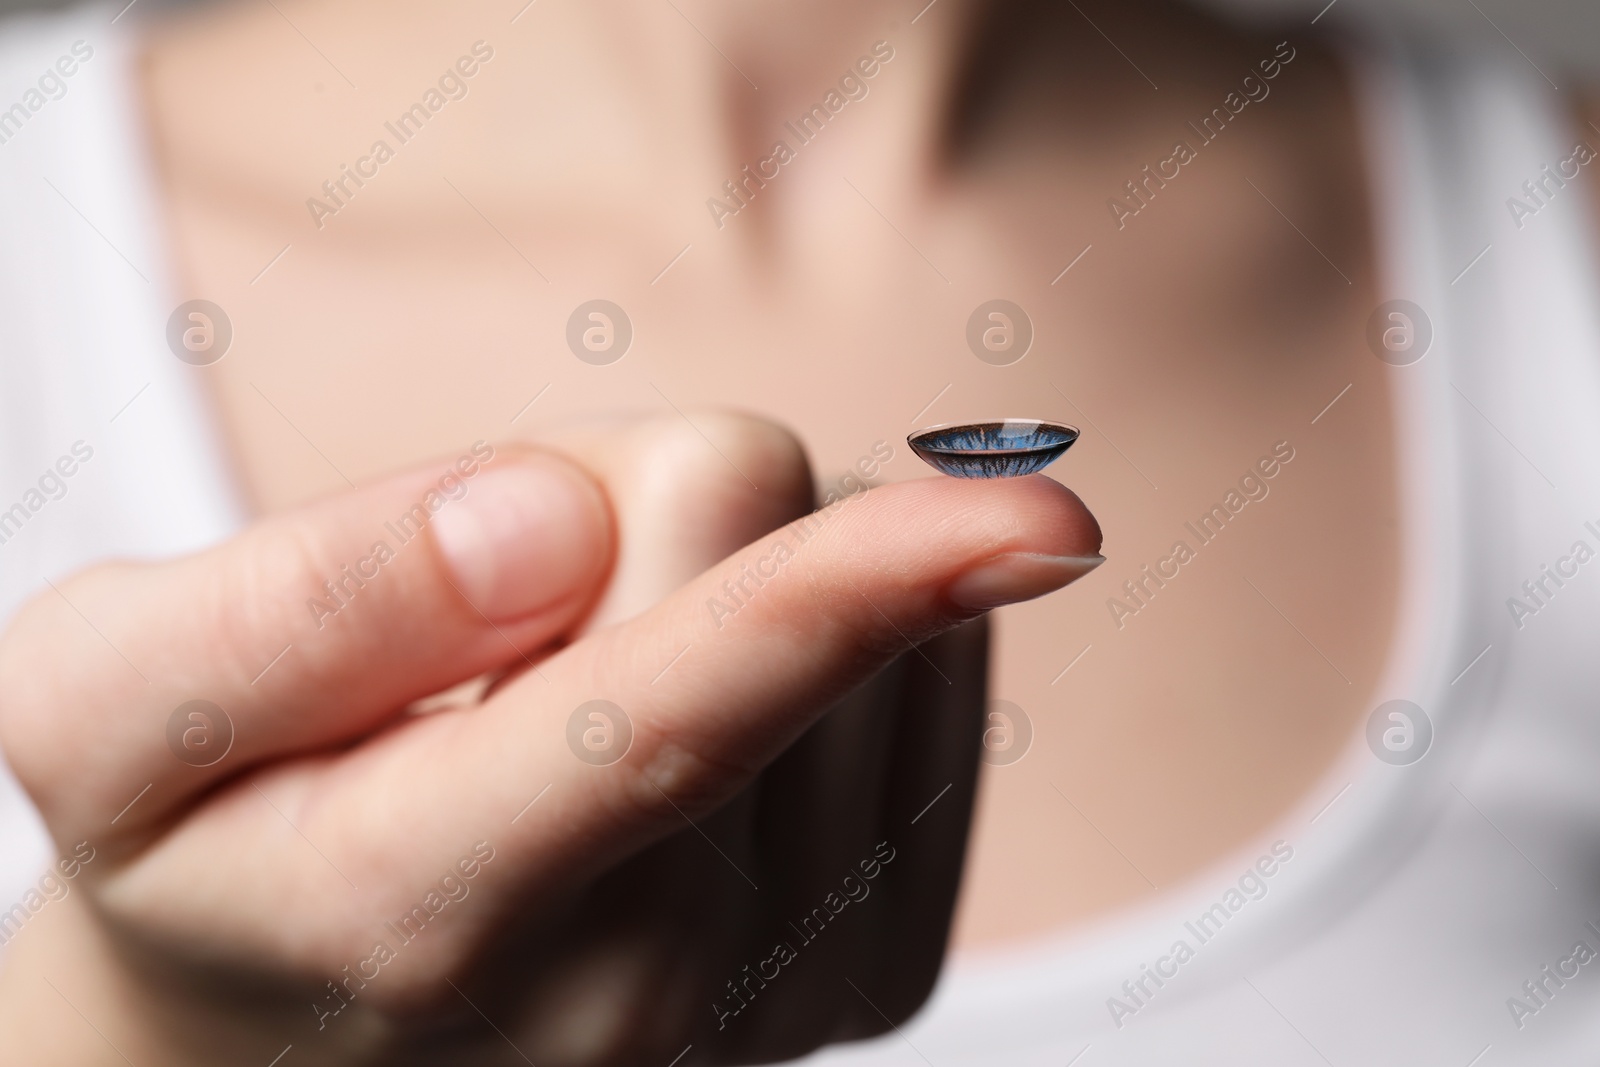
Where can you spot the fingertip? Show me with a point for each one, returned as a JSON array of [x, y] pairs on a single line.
[[1017, 576], [1077, 525], [1032, 514]]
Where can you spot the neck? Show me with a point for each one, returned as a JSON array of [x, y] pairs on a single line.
[[633, 111], [639, 118]]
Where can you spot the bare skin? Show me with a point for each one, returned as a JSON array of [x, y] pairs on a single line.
[[1195, 338], [431, 308], [370, 885]]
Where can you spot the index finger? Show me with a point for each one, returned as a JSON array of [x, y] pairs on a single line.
[[710, 685]]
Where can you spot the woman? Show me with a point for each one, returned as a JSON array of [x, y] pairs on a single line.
[[531, 255]]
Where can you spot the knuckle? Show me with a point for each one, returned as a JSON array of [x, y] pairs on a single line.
[[673, 765], [711, 459], [676, 773], [683, 498], [258, 600], [258, 579], [265, 577]]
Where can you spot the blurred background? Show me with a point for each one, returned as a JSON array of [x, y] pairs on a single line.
[[1565, 32]]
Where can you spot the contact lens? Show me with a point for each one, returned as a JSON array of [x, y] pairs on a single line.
[[1005, 448]]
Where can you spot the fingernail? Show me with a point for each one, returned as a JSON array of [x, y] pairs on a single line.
[[1017, 576], [526, 536]]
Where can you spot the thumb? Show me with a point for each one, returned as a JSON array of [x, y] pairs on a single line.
[[309, 629]]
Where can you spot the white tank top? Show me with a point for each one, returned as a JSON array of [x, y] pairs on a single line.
[[1412, 913]]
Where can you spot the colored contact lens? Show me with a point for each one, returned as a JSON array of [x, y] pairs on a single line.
[[1005, 448]]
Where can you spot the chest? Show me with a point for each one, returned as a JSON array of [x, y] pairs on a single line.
[[1187, 689]]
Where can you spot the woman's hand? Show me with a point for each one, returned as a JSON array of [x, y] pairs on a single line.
[[512, 878]]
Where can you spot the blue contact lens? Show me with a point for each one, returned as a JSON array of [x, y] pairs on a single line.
[[1005, 448]]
